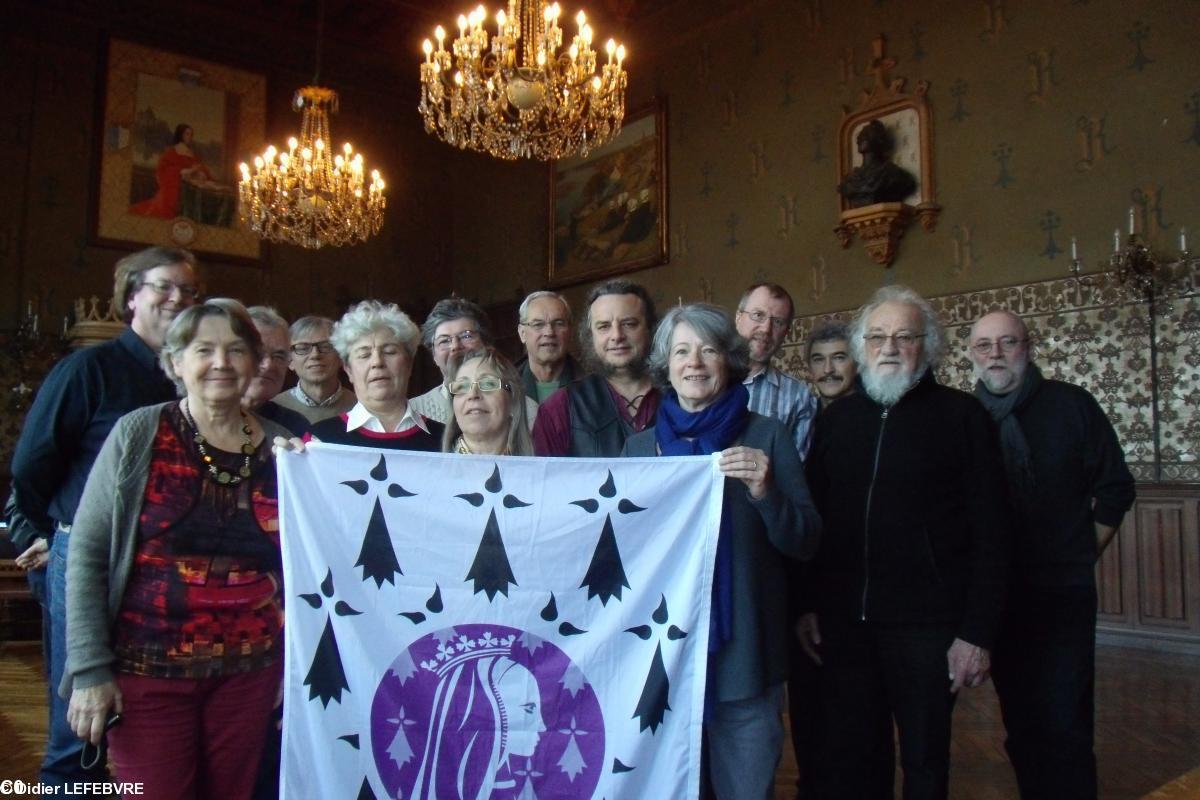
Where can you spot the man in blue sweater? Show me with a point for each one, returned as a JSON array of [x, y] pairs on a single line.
[[78, 404]]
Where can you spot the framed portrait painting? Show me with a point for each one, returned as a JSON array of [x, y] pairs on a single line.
[[174, 129], [608, 209]]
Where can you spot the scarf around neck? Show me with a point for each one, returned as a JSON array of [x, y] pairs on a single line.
[[710, 430], [1018, 462]]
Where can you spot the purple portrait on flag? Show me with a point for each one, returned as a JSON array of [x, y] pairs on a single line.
[[486, 711]]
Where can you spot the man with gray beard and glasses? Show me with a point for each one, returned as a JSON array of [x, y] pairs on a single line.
[[909, 582], [1070, 489]]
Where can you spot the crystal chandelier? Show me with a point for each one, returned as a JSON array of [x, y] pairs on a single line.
[[517, 96], [310, 196]]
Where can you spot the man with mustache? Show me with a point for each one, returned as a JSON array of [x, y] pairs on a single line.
[[909, 582], [593, 417], [832, 372], [71, 416], [1070, 490], [830, 364], [764, 317], [545, 330]]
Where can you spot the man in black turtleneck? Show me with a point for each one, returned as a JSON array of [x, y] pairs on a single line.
[[908, 585], [1070, 488]]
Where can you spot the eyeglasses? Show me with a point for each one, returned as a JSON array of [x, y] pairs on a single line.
[[1006, 343], [466, 339], [165, 288], [304, 348], [760, 316], [488, 383], [902, 340], [539, 325]]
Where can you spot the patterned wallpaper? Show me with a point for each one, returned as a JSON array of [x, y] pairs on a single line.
[[1050, 120], [1093, 337]]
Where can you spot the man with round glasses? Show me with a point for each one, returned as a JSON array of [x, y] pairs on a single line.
[[764, 317], [909, 582], [545, 330], [454, 326], [1070, 489], [71, 416], [318, 393]]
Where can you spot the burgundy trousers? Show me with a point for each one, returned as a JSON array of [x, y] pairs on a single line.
[[193, 739]]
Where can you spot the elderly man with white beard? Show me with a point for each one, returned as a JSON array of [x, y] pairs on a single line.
[[910, 579], [1070, 489]]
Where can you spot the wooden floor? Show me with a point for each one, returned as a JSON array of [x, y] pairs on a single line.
[[1147, 726]]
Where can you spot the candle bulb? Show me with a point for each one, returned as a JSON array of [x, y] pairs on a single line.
[[1116, 240], [1131, 231], [1074, 249], [1183, 240]]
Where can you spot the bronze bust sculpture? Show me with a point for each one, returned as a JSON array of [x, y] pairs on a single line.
[[877, 179]]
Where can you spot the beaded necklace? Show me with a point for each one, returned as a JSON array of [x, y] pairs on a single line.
[[460, 447], [219, 475]]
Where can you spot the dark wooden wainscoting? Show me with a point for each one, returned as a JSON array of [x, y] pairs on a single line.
[[1149, 578]]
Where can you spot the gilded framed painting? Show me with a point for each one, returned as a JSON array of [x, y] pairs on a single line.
[[173, 131], [608, 209]]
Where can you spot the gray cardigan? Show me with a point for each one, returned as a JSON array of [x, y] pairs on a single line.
[[768, 534], [103, 542]]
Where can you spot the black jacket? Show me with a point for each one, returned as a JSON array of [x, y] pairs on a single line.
[[1080, 479], [917, 521]]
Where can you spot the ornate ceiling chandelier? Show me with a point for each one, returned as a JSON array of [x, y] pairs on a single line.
[[310, 196], [517, 96]]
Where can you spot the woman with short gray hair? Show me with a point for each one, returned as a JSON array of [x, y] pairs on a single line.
[[768, 518], [377, 342], [174, 551]]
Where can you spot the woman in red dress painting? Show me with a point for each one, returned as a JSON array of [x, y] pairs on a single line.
[[175, 164]]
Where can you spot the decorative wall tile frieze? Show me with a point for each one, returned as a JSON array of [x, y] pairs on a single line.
[[1093, 337]]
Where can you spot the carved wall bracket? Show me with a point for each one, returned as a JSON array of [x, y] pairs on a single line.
[[880, 226]]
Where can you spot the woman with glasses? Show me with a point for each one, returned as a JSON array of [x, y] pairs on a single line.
[[489, 407], [174, 614], [377, 342], [768, 518]]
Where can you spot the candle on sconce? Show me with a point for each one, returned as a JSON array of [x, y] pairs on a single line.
[[1116, 240], [66, 327], [1183, 240], [1074, 249], [35, 324], [1131, 231]]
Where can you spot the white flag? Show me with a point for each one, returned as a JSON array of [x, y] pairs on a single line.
[[474, 627]]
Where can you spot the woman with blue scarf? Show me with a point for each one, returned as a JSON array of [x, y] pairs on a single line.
[[767, 521]]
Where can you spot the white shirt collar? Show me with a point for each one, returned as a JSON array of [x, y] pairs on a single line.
[[359, 417]]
